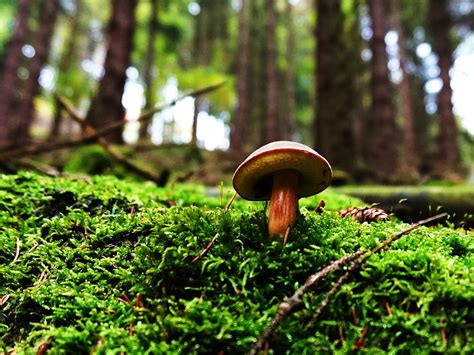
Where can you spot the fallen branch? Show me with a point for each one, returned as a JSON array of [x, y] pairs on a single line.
[[45, 169], [358, 259], [160, 180], [14, 151], [147, 115]]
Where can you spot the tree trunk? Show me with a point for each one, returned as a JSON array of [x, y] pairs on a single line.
[[8, 76], [238, 138], [65, 63], [381, 146], [41, 42], [271, 130], [439, 23], [149, 72], [290, 132], [256, 72], [107, 104], [333, 124], [410, 154]]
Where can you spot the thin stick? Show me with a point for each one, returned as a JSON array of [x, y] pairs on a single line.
[[289, 304], [359, 261], [17, 254], [230, 202], [359, 258], [4, 299], [205, 250]]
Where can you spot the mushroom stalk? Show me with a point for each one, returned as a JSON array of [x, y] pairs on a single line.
[[284, 202]]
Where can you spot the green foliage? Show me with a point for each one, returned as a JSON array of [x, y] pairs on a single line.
[[222, 98], [76, 253], [7, 9]]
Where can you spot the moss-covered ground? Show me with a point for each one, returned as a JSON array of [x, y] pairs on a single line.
[[105, 266]]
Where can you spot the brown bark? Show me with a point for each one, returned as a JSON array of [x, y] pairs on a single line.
[[239, 132], [333, 121], [148, 76], [256, 72], [8, 76], [381, 145], [439, 23], [271, 130], [409, 161], [107, 104], [290, 119], [65, 63], [41, 42]]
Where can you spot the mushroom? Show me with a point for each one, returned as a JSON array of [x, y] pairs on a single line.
[[282, 172]]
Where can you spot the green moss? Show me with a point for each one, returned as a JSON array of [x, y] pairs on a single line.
[[89, 248]]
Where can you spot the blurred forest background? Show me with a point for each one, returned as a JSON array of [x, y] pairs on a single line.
[[369, 84]]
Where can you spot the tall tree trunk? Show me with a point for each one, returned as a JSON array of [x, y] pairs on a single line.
[[41, 42], [333, 125], [65, 62], [439, 23], [355, 91], [238, 138], [290, 119], [149, 70], [256, 72], [203, 50], [381, 144], [107, 104], [8, 75], [272, 127], [410, 154]]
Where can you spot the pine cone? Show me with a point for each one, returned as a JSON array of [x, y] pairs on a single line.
[[364, 214]]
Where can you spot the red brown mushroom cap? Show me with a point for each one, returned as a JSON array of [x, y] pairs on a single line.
[[253, 178]]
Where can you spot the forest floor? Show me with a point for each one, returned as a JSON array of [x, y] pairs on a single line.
[[102, 264]]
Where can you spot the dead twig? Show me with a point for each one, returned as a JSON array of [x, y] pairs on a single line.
[[45, 169], [4, 299], [17, 253], [205, 250], [287, 306], [358, 259], [230, 202]]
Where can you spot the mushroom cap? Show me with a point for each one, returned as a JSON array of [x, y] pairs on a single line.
[[253, 178]]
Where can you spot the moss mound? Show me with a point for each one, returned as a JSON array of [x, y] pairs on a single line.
[[106, 266]]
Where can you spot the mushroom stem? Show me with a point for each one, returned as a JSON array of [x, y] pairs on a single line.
[[283, 202]]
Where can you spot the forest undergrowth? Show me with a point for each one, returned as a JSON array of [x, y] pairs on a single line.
[[99, 264]]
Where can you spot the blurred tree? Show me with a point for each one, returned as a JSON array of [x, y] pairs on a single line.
[[68, 57], [149, 66], [256, 72], [409, 162], [356, 87], [106, 107], [333, 126], [439, 24], [381, 143], [25, 112], [272, 126], [289, 126], [240, 127], [8, 74]]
